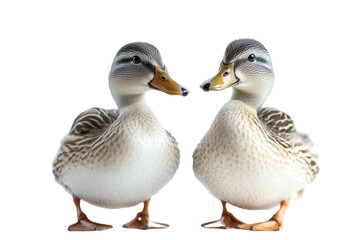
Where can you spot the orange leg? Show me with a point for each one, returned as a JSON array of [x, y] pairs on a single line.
[[83, 223], [227, 220], [273, 224], [142, 221]]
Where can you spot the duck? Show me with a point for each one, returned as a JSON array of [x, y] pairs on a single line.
[[117, 158], [252, 157]]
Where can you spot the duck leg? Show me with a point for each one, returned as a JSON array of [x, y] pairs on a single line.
[[273, 224], [83, 223], [142, 221], [227, 220]]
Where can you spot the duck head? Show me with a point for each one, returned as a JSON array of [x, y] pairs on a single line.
[[247, 68], [137, 68]]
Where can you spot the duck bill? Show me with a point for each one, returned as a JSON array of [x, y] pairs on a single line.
[[163, 82], [224, 79]]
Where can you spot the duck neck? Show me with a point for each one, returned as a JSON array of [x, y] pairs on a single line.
[[127, 100], [254, 101]]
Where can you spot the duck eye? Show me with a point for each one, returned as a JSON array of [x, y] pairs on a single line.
[[251, 57], [136, 60]]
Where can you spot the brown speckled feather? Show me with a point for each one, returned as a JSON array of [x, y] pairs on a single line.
[[86, 129], [277, 122], [282, 128], [93, 121]]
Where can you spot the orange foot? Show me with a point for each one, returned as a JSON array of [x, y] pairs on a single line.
[[84, 224], [273, 224], [141, 221], [227, 220]]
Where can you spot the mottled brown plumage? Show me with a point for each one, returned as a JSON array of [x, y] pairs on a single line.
[[120, 158], [280, 125], [252, 157], [86, 129]]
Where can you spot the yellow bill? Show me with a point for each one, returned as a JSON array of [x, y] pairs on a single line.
[[224, 79], [163, 82]]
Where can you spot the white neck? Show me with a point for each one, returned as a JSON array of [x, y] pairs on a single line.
[[254, 101], [127, 100]]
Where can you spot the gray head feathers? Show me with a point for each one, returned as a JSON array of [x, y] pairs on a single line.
[[241, 46], [141, 48], [253, 69]]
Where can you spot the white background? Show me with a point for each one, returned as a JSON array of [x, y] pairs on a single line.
[[54, 63]]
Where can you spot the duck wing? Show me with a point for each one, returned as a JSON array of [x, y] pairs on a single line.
[[93, 122], [277, 122], [281, 124], [282, 129], [86, 129]]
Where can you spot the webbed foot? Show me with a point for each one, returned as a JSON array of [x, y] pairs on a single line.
[[142, 221]]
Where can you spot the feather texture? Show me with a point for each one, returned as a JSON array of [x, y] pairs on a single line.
[[282, 128]]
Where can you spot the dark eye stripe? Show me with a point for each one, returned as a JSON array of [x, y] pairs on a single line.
[[260, 59], [148, 65], [241, 61], [124, 60]]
